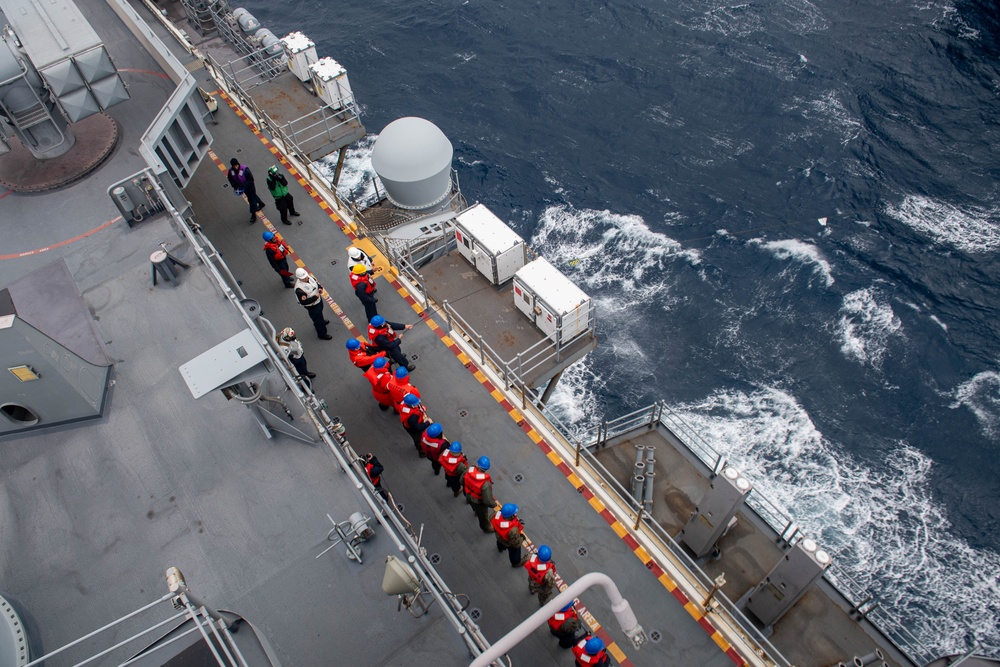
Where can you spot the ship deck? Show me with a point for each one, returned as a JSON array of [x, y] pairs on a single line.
[[92, 515]]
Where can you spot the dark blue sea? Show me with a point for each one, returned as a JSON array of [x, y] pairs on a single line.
[[787, 214]]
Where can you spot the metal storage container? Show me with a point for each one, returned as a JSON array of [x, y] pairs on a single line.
[[557, 306], [489, 244], [330, 80], [301, 54]]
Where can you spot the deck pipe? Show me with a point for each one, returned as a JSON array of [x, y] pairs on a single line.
[[637, 482], [639, 453], [874, 656], [647, 495]]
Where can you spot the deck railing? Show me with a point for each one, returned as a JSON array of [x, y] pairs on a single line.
[[864, 604]]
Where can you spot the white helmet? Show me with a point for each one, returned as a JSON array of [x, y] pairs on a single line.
[[354, 253], [301, 273]]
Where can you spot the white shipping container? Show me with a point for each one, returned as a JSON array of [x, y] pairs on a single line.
[[552, 301], [489, 244], [301, 54], [330, 80]]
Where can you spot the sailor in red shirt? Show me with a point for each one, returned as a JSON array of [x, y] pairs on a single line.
[[454, 464], [542, 575], [508, 528], [379, 375], [434, 444], [413, 416], [362, 354], [565, 624], [589, 652], [399, 386]]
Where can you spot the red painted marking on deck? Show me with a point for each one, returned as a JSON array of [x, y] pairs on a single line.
[[60, 244]]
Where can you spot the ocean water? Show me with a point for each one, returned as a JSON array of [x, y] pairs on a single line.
[[787, 213]]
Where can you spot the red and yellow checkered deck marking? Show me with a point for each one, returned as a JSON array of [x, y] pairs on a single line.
[[514, 414]]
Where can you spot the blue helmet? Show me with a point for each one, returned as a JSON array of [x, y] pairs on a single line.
[[483, 463], [456, 447], [508, 510], [401, 372], [268, 236], [544, 553], [354, 344], [411, 400], [434, 430], [381, 362], [593, 646], [377, 321], [567, 607]]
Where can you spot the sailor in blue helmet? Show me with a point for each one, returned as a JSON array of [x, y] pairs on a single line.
[[565, 624], [382, 333], [434, 444], [509, 533], [454, 464], [277, 257], [413, 416], [589, 652], [478, 487], [541, 574]]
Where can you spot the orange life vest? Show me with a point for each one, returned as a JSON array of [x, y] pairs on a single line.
[[432, 446], [450, 461], [400, 388], [363, 278], [386, 330], [503, 527], [537, 569], [364, 356], [561, 617], [474, 481], [584, 658], [405, 411], [368, 470], [278, 248]]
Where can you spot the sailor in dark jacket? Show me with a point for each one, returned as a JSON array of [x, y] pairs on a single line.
[[242, 181]]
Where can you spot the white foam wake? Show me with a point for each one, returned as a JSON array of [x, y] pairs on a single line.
[[865, 327], [885, 528], [972, 229], [357, 178], [981, 395], [604, 250], [799, 251]]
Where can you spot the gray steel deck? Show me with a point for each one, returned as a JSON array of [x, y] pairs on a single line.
[[92, 515]]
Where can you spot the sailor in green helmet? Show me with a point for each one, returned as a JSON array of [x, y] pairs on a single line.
[[277, 185]]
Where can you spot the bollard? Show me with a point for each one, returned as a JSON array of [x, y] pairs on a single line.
[[161, 266]]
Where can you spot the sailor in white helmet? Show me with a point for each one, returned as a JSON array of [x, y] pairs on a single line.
[[358, 256], [292, 349], [309, 293]]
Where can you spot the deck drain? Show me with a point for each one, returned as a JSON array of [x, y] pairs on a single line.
[[463, 413], [582, 552], [518, 478], [399, 506], [435, 558], [655, 636], [475, 613], [333, 262]]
